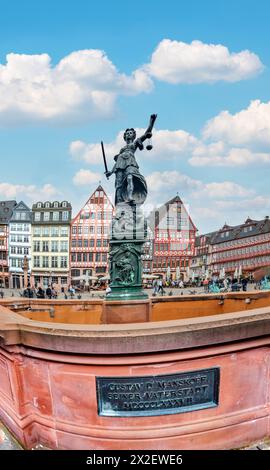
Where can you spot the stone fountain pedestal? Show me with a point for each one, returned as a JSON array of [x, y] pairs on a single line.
[[128, 235]]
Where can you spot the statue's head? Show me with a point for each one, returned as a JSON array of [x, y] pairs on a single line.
[[129, 135]]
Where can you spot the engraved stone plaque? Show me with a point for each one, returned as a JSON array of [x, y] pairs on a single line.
[[159, 394]]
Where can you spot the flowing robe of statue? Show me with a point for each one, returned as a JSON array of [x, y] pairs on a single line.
[[124, 167]]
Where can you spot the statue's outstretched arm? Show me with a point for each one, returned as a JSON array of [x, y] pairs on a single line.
[[148, 132]]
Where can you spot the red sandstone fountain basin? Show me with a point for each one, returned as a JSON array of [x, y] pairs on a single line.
[[55, 378]]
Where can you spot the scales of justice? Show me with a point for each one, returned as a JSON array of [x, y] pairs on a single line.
[[129, 228]]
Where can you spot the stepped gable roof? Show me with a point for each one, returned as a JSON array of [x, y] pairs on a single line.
[[91, 197], [6, 209], [158, 213]]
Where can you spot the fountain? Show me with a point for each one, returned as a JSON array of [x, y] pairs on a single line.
[[131, 372]]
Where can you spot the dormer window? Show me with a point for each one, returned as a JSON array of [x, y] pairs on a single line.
[[47, 205], [39, 205], [64, 204], [55, 204]]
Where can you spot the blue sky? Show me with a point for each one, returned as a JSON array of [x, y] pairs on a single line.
[[73, 73]]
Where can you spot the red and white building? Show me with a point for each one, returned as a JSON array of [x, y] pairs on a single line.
[[174, 239], [6, 210], [246, 246], [90, 234], [200, 263]]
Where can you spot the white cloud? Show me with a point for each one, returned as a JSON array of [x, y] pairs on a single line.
[[256, 207], [166, 145], [91, 153], [220, 154], [226, 189], [171, 181], [31, 192], [85, 177], [83, 85], [249, 127], [179, 62]]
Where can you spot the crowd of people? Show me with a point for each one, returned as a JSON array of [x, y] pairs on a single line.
[[213, 285], [49, 292]]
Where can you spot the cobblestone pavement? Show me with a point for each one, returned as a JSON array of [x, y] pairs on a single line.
[[7, 441], [101, 293], [261, 445]]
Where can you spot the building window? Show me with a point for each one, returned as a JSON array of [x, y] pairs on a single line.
[[64, 204], [36, 245], [54, 262], [26, 251], [47, 204], [85, 243], [74, 230], [99, 243], [55, 204], [54, 246], [36, 262], [55, 215], [90, 257], [98, 257], [63, 246], [46, 216], [65, 215], [54, 280], [45, 261], [45, 231], [64, 261], [64, 231], [37, 231], [45, 246], [63, 280], [73, 257], [54, 231], [75, 272], [85, 257], [37, 216], [79, 257], [39, 205]]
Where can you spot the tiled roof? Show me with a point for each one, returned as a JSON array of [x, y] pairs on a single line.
[[6, 209], [248, 228]]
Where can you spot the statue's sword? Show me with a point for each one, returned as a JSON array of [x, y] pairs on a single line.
[[104, 159]]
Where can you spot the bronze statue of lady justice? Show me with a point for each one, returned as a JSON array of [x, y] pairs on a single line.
[[130, 185]]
